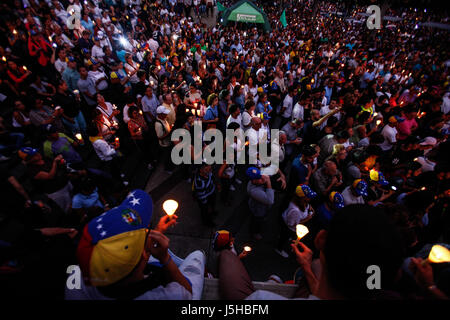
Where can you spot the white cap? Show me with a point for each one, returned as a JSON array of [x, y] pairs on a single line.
[[222, 66], [428, 141], [162, 109]]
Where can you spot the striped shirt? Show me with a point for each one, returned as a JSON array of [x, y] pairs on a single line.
[[203, 187]]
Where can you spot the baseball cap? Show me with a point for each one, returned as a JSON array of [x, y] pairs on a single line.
[[337, 199], [26, 152], [111, 245], [378, 177], [113, 75], [265, 116], [222, 240], [253, 173], [395, 119], [71, 59], [222, 66], [162, 109], [305, 191], [360, 187], [428, 141]]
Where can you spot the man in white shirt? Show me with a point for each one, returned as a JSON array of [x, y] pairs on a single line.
[[149, 104], [389, 133], [354, 193], [235, 116], [119, 271], [253, 139], [97, 51], [286, 108]]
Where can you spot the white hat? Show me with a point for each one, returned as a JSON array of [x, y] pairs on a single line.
[[222, 66], [162, 109], [428, 141]]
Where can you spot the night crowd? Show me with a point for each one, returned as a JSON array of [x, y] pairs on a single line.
[[88, 87]]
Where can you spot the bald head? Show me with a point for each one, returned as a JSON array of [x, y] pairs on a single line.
[[330, 168]]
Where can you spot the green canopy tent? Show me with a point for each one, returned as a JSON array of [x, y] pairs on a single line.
[[245, 11]]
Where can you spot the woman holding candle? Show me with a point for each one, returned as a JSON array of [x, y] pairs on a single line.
[[299, 211]]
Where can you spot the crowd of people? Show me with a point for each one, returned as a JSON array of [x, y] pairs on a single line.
[[363, 118]]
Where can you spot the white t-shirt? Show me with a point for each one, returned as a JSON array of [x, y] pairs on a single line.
[[390, 137], [104, 151], [298, 112], [246, 119], [287, 103], [349, 198], [237, 120], [172, 291], [293, 215]]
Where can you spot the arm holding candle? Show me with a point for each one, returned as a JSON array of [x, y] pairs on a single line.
[[423, 275], [304, 258]]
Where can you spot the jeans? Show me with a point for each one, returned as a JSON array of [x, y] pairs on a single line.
[[79, 125]]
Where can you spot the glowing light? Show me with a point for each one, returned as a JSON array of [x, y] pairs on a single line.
[[25, 68], [4, 59], [301, 231], [14, 31], [79, 136], [247, 249], [170, 206], [438, 254], [123, 41]]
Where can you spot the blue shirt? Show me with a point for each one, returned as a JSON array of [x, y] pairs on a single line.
[[299, 171], [71, 77], [324, 216], [260, 108], [211, 113], [81, 201]]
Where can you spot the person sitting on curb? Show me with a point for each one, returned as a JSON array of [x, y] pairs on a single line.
[[116, 250]]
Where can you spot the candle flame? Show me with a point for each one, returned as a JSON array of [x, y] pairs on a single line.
[[439, 254], [170, 206], [301, 231]]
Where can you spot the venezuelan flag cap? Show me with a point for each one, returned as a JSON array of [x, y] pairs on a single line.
[[111, 245], [304, 190]]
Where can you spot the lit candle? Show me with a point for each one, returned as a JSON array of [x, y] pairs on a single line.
[[438, 254], [76, 91], [170, 206], [116, 139], [79, 136], [193, 111], [187, 110], [114, 107], [14, 31], [25, 68], [301, 232], [140, 112], [4, 58], [378, 122], [247, 249], [198, 112]]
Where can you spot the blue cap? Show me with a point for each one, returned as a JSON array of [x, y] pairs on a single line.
[[85, 50], [71, 59], [253, 173], [265, 116], [337, 199], [304, 190], [360, 187], [26, 152]]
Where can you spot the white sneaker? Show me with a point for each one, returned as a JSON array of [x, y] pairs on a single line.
[[238, 181], [122, 175], [125, 183], [282, 253], [232, 188]]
